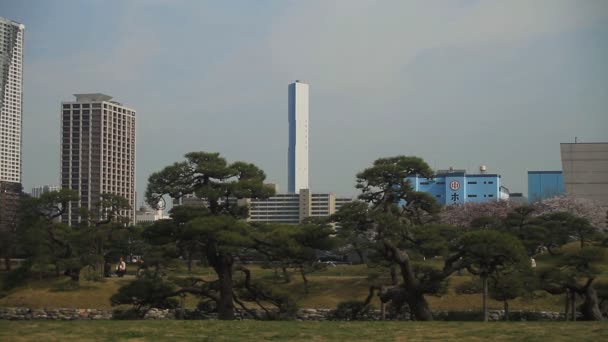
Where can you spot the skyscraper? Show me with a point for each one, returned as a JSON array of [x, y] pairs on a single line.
[[97, 152], [11, 84], [297, 177], [11, 98]]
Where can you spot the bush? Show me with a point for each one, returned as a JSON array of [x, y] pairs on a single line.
[[351, 310], [146, 293], [16, 277], [92, 274]]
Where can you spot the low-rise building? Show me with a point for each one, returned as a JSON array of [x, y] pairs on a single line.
[[146, 215], [544, 184], [456, 186]]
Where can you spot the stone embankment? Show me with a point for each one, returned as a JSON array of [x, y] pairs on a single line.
[[302, 314]]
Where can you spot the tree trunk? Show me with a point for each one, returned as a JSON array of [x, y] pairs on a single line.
[[419, 307], [567, 308], [225, 305], [590, 308], [304, 279], [286, 275], [360, 255], [506, 306], [573, 306], [189, 262], [484, 280], [394, 276], [7, 262]]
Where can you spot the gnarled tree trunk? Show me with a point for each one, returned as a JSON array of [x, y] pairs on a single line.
[[590, 307], [414, 297], [222, 264]]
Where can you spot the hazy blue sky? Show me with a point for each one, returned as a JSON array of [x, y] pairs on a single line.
[[459, 83]]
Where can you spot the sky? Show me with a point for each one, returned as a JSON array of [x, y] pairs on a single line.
[[459, 83]]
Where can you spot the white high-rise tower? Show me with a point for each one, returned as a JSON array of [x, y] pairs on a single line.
[[297, 177], [11, 98], [11, 84]]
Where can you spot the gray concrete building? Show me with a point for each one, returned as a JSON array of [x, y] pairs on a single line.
[[97, 152], [585, 170]]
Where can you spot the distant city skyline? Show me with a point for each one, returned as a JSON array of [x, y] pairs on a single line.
[[459, 83]]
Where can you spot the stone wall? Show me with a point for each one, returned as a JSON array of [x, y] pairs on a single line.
[[302, 314]]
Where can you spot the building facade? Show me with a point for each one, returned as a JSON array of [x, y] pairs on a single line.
[[585, 170], [97, 152], [37, 191], [11, 100], [456, 186], [544, 184], [297, 159], [293, 208]]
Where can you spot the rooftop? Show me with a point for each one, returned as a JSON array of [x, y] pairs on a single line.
[[93, 97]]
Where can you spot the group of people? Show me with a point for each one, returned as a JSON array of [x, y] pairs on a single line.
[[121, 267]]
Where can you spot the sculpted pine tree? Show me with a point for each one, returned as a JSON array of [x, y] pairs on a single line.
[[47, 241], [220, 232], [490, 253], [576, 273], [399, 220]]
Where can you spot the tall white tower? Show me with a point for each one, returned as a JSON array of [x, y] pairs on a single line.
[[11, 98], [297, 167]]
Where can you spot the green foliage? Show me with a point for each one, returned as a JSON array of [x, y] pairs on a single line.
[[487, 252], [15, 277], [351, 310], [145, 293], [386, 181]]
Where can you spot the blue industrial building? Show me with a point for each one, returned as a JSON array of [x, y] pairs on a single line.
[[456, 186], [544, 184]]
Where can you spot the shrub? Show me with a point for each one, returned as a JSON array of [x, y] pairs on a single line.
[[351, 310], [16, 277]]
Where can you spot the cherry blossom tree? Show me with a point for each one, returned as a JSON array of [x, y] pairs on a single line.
[[581, 207]]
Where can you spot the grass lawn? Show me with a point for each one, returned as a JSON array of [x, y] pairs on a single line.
[[300, 331]]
